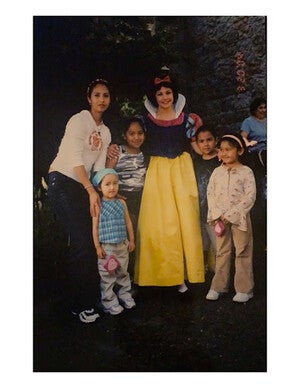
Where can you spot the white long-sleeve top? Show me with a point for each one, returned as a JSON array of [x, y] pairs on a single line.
[[83, 144], [231, 192]]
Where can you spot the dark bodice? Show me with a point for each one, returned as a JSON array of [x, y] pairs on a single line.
[[168, 139]]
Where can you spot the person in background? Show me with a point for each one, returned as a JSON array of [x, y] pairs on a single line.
[[74, 200], [231, 194], [169, 245], [254, 127], [204, 165], [254, 132], [113, 237]]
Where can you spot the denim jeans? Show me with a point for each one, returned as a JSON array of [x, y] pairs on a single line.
[[70, 204]]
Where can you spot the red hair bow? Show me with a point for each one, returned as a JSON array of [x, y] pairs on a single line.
[[160, 80]]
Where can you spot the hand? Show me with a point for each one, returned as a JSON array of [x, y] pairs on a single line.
[[100, 252], [113, 152], [224, 219], [252, 143], [131, 246]]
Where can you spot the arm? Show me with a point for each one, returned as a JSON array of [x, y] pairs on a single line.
[[245, 131], [99, 250], [113, 154], [247, 200], [194, 122], [195, 147], [76, 132], [106, 138], [238, 213], [247, 142], [93, 195], [111, 163], [129, 228]]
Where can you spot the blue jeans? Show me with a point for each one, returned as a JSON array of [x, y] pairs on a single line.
[[70, 204]]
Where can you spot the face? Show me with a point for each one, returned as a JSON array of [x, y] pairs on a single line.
[[134, 136], [206, 143], [228, 153], [100, 99], [164, 97], [109, 186], [261, 111]]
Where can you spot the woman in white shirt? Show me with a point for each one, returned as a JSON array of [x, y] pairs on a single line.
[[74, 200]]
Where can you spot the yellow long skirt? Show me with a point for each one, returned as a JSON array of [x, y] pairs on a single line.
[[169, 243]]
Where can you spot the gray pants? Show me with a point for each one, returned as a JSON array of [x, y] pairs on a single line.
[[120, 279]]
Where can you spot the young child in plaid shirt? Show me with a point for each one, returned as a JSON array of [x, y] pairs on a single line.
[[113, 237]]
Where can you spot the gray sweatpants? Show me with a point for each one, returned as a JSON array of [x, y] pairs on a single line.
[[120, 279]]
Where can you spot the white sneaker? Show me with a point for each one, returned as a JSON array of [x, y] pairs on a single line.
[[129, 303], [212, 295], [114, 310], [182, 288], [242, 297], [88, 316]]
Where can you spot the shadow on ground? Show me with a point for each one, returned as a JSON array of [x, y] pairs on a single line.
[[166, 332]]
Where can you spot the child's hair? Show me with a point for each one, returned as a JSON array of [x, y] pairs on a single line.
[[206, 128], [98, 81], [256, 103], [235, 139], [160, 80], [135, 119]]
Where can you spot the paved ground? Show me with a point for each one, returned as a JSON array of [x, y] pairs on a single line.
[[167, 331]]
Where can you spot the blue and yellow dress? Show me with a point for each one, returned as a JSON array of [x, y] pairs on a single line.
[[169, 244]]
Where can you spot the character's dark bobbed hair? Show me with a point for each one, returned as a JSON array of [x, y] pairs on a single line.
[[161, 80]]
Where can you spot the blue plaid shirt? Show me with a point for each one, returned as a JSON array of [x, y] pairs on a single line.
[[112, 227]]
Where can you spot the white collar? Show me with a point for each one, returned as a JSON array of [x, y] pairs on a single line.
[[178, 106]]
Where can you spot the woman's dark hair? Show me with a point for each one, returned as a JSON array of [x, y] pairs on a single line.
[[235, 139], [162, 80], [256, 103], [98, 81], [134, 119]]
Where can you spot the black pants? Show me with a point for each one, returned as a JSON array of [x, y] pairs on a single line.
[[258, 163], [70, 203]]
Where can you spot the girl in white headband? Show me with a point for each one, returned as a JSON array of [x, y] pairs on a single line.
[[231, 194]]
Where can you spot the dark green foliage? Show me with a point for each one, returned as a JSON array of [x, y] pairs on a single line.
[[71, 51]]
